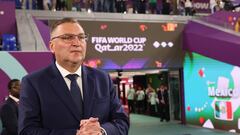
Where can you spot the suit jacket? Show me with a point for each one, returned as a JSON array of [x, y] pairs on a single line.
[[9, 117], [46, 106], [165, 97]]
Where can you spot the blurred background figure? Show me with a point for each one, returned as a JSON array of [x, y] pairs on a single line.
[[142, 7], [98, 5], [61, 5], [166, 7], [180, 7], [9, 110], [152, 99], [237, 25], [40, 4], [130, 96], [148, 90], [163, 103], [49, 5], [76, 5], [153, 6], [188, 7], [109, 6], [27, 4], [140, 99], [228, 6], [212, 5], [89, 5], [135, 5], [121, 6], [218, 6]]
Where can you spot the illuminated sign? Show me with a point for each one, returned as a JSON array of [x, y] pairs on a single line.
[[212, 93], [133, 45], [113, 44], [156, 44], [169, 26], [202, 5], [143, 27]]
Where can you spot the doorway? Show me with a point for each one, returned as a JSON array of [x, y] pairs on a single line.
[[156, 77]]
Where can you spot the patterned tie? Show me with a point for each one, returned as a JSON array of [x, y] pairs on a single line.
[[76, 93]]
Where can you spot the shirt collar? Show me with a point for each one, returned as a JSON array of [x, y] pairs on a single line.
[[64, 72], [14, 98]]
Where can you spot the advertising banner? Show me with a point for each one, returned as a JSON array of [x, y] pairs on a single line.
[[202, 6], [212, 93], [134, 45]]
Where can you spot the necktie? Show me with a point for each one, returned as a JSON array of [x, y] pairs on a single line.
[[76, 93]]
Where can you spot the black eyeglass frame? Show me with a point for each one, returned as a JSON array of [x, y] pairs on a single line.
[[80, 37]]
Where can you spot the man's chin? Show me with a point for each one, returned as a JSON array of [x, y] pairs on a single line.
[[77, 61]]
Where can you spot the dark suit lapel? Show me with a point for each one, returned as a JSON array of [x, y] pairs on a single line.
[[61, 89], [88, 91], [14, 105]]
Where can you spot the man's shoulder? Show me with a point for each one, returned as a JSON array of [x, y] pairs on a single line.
[[41, 71], [91, 70], [7, 105]]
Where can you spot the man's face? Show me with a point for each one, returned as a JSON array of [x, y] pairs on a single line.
[[162, 88], [68, 51], [15, 89]]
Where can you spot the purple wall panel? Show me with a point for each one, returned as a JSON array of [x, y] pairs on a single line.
[[33, 60], [18, 64], [212, 43], [223, 18], [44, 31], [7, 18]]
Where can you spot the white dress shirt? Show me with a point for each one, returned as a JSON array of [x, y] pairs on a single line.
[[64, 73], [14, 98]]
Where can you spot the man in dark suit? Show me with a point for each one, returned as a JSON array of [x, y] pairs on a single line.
[[47, 103], [9, 110], [163, 103]]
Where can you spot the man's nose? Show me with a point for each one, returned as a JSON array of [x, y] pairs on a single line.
[[76, 41]]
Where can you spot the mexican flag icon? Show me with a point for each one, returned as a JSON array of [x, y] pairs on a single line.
[[223, 110]]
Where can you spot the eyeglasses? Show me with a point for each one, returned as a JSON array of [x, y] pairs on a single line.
[[68, 38]]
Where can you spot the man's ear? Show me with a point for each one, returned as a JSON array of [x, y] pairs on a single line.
[[51, 46]]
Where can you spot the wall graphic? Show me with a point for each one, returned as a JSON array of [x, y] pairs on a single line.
[[18, 64], [212, 93]]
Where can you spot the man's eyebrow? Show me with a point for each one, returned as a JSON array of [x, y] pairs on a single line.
[[74, 34], [81, 34]]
